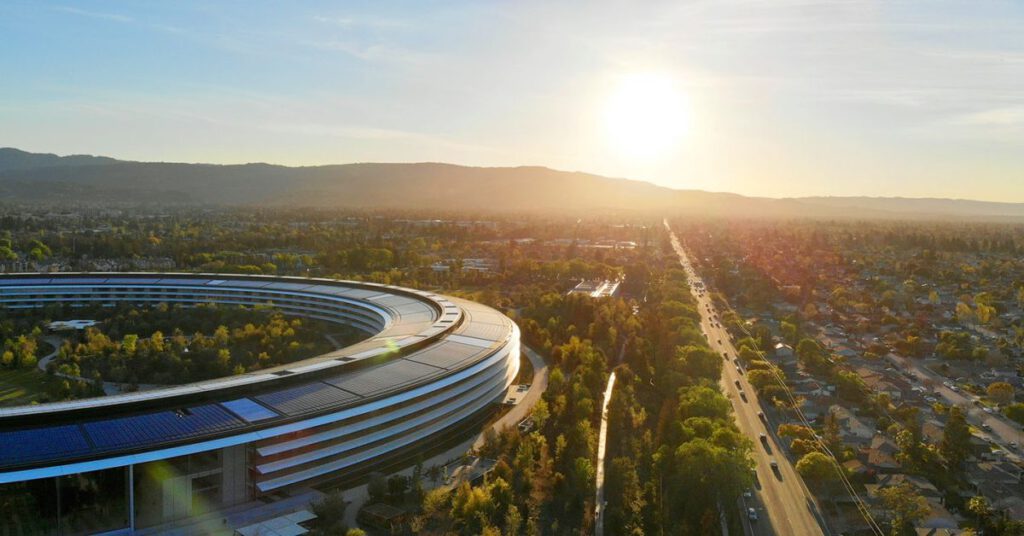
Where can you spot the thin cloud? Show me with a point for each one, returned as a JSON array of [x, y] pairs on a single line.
[[116, 17], [352, 22], [378, 52]]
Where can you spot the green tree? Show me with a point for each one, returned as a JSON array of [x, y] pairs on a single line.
[[956, 438], [905, 506], [816, 467]]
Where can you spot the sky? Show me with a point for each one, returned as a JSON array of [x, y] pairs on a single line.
[[774, 98]]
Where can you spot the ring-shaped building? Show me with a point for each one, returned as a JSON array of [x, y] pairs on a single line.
[[430, 368]]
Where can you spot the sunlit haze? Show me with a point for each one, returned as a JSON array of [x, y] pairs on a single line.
[[773, 98]]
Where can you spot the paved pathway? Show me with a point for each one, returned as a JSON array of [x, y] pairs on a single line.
[[599, 480]]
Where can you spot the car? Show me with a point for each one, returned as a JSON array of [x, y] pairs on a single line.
[[719, 341], [774, 465], [751, 514], [743, 395], [985, 426], [988, 410], [747, 494], [763, 437], [760, 415], [737, 382], [739, 370]]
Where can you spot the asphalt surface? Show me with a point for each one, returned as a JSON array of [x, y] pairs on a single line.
[[1001, 431], [780, 499]]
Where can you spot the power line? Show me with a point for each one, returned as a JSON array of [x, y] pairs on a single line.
[[862, 507]]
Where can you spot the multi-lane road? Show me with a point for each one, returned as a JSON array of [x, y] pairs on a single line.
[[782, 504]]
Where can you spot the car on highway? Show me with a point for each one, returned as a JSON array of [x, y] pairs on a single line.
[[739, 370], [737, 382], [775, 469], [743, 395], [751, 514], [985, 426], [760, 415], [988, 410], [747, 494], [764, 438]]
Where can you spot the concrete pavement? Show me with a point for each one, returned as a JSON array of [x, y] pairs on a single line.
[[599, 472]]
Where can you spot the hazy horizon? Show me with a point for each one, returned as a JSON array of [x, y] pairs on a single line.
[[783, 99]]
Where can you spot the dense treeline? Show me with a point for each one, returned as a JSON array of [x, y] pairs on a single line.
[[199, 343], [671, 429]]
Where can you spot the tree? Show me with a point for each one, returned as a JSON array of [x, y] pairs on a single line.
[[789, 332], [330, 514], [1015, 412], [810, 353], [700, 362], [816, 467], [700, 401], [956, 438], [1000, 392], [905, 506]]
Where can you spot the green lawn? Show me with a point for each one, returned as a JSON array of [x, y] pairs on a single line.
[[19, 387]]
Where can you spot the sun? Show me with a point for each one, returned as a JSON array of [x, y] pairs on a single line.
[[646, 116]]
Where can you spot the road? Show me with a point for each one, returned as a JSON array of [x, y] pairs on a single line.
[[520, 411], [599, 487], [1001, 431], [784, 505]]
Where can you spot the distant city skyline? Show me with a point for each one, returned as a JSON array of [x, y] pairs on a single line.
[[784, 98]]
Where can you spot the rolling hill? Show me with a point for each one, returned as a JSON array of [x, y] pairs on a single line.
[[83, 179]]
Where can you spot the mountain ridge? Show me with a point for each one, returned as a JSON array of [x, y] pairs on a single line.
[[77, 179]]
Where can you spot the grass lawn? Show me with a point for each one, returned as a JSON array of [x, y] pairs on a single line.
[[23, 386]]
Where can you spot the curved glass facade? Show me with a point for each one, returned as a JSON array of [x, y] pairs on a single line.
[[140, 460]]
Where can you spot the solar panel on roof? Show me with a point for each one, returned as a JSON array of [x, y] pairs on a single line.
[[246, 284], [133, 280], [161, 427], [183, 281], [306, 398], [390, 375], [289, 286], [483, 331], [25, 281], [446, 355], [25, 446], [248, 410]]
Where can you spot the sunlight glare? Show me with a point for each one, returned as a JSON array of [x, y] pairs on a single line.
[[646, 116]]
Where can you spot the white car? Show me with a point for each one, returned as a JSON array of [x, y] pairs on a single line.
[[751, 514]]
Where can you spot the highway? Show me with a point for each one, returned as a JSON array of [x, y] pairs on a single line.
[[780, 499]]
